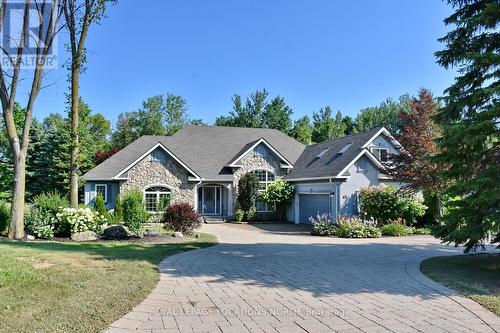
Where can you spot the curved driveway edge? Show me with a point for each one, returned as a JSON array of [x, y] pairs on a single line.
[[277, 278]]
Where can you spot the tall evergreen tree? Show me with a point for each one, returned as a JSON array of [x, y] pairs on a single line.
[[51, 168], [470, 121]]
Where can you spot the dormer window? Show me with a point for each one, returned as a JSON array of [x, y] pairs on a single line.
[[382, 154]]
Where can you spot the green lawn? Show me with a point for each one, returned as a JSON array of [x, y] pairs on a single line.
[[77, 287], [476, 276]]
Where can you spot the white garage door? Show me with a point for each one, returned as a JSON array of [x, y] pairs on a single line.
[[312, 205]]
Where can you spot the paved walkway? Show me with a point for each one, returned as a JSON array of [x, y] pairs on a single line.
[[274, 278]]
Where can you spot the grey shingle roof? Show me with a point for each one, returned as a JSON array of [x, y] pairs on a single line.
[[204, 149], [309, 165]]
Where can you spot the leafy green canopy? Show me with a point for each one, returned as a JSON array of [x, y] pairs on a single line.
[[159, 115], [258, 112], [470, 120], [279, 193]]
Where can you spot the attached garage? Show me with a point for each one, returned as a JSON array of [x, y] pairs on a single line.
[[312, 205]]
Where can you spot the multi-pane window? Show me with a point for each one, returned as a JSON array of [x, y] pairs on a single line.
[[156, 198], [102, 190], [381, 153], [265, 178]]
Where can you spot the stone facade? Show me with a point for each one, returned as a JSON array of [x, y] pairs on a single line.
[[168, 173], [252, 162]]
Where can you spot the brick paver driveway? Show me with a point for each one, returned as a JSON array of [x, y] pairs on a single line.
[[277, 278]]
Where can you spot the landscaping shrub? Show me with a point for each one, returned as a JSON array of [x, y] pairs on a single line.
[[100, 206], [280, 194], [164, 203], [372, 231], [355, 228], [251, 214], [239, 215], [411, 208], [79, 220], [384, 205], [118, 212], [4, 216], [422, 231], [44, 231], [134, 211], [248, 190], [324, 229], [181, 217], [394, 229], [410, 230], [41, 217], [323, 225]]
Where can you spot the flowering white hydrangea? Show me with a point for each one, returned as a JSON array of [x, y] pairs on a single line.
[[80, 219], [279, 192]]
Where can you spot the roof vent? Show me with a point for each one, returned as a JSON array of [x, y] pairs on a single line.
[[323, 152], [341, 151]]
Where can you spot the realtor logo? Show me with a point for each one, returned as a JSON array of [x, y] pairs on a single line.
[[40, 16]]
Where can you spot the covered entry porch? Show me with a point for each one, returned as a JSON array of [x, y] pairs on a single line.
[[215, 200]]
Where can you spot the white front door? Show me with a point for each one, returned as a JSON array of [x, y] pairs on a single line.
[[211, 200]]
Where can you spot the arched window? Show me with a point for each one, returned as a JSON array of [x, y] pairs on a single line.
[[265, 178], [157, 198]]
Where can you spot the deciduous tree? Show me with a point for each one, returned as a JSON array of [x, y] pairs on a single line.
[[257, 112], [79, 15], [326, 127], [277, 115], [10, 76], [302, 130], [415, 164], [383, 115]]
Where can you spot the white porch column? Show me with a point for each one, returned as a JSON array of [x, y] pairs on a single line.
[[297, 209], [196, 197], [230, 200]]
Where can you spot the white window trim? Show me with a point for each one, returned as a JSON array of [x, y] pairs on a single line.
[[286, 164], [157, 194], [267, 182], [363, 152], [105, 192], [196, 177], [379, 157], [384, 131], [215, 187]]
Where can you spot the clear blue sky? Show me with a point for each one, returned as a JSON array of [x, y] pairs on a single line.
[[346, 54]]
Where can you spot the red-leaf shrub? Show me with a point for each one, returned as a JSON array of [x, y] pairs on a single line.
[[101, 156], [181, 217]]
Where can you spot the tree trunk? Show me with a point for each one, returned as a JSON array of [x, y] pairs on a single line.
[[439, 206], [75, 119], [16, 229]]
